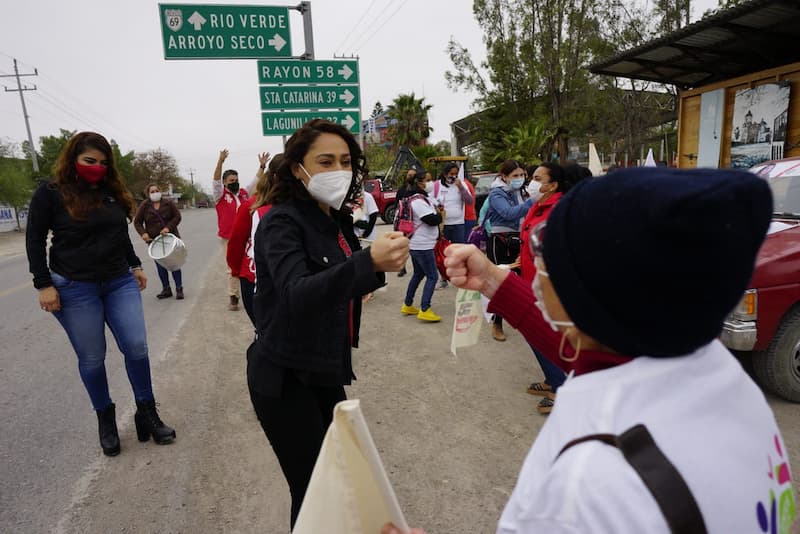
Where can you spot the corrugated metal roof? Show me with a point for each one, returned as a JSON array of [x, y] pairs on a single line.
[[753, 36]]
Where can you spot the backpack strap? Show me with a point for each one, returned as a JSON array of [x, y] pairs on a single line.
[[665, 483]]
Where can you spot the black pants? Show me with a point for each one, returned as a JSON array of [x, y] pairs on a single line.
[[503, 249], [248, 288], [295, 425]]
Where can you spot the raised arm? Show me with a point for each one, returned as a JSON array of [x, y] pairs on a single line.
[[217, 182]]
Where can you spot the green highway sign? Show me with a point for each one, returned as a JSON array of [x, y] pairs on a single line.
[[287, 123], [225, 32], [314, 71], [305, 97]]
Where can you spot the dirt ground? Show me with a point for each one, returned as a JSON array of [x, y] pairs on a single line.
[[452, 430]]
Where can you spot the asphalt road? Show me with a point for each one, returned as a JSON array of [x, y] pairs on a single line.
[[48, 439], [452, 431]]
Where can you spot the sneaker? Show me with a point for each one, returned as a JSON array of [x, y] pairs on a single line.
[[409, 310], [178, 293], [165, 293], [402, 273], [539, 388], [234, 304], [443, 284], [428, 316], [545, 405]]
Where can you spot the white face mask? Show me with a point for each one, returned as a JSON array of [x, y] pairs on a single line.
[[155, 197], [533, 191], [537, 292], [329, 187]]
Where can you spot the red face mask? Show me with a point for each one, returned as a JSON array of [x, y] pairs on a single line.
[[90, 173]]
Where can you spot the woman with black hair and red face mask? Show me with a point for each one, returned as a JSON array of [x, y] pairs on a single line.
[[94, 278]]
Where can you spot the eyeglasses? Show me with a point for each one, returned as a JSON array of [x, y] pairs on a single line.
[[536, 240]]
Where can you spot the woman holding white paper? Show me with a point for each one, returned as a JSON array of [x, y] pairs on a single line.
[[311, 275]]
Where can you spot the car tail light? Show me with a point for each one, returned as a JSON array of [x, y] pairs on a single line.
[[747, 309]]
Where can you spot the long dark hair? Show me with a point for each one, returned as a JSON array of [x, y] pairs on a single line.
[[265, 183], [287, 186], [78, 199]]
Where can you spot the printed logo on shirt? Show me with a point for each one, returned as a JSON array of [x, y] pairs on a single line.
[[779, 512]]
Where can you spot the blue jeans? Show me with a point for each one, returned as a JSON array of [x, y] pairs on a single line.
[[424, 263], [86, 307], [553, 374], [163, 274], [454, 233]]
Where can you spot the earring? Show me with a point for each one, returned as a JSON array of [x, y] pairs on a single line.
[[561, 349]]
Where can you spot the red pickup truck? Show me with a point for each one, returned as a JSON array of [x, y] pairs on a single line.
[[766, 323], [385, 197]]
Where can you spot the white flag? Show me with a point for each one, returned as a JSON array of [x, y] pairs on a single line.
[[349, 492]]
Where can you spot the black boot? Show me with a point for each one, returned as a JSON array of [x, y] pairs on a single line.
[[107, 428], [165, 293], [148, 423]]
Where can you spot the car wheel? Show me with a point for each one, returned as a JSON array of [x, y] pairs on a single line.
[[778, 367], [388, 213]]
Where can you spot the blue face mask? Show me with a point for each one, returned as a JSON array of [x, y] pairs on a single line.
[[516, 183]]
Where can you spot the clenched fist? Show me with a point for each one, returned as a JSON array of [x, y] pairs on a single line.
[[389, 252]]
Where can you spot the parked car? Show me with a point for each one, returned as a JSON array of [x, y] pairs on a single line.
[[766, 323], [202, 204], [482, 184], [385, 197]]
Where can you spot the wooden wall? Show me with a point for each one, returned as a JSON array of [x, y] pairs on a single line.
[[689, 113]]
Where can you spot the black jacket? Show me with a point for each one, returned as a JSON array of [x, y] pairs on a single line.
[[96, 249], [305, 286]]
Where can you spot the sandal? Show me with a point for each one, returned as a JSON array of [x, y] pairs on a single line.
[[545, 405], [539, 388]]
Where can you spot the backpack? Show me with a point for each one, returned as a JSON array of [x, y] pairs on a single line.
[[404, 219]]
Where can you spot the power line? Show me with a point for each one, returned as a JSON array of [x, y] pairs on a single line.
[[356, 25], [375, 32]]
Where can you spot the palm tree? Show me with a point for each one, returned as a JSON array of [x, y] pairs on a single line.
[[408, 121], [525, 141]]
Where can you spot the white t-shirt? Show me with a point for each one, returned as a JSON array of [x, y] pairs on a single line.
[[705, 414], [425, 235], [368, 208], [450, 198]]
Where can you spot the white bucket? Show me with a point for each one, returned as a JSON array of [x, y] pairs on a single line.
[[169, 251]]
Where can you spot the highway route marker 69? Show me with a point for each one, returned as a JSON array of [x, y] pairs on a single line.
[[224, 32]]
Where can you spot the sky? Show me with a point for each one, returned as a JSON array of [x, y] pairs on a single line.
[[101, 67]]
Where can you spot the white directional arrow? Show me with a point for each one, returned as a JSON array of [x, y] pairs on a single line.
[[346, 72], [197, 20], [347, 96], [348, 122], [277, 42]]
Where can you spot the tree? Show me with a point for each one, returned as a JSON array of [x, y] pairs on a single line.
[[408, 121], [379, 159], [526, 141], [16, 184], [443, 147], [158, 166]]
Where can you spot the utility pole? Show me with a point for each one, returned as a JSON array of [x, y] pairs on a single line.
[[20, 89], [191, 175]]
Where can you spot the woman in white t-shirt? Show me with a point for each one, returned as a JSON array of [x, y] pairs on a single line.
[[426, 219], [364, 218]]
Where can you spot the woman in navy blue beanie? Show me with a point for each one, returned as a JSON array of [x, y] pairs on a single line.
[[657, 427]]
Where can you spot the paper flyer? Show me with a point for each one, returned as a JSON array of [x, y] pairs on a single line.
[[349, 491], [467, 323]]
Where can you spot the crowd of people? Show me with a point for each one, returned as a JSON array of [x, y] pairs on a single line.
[[651, 407]]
